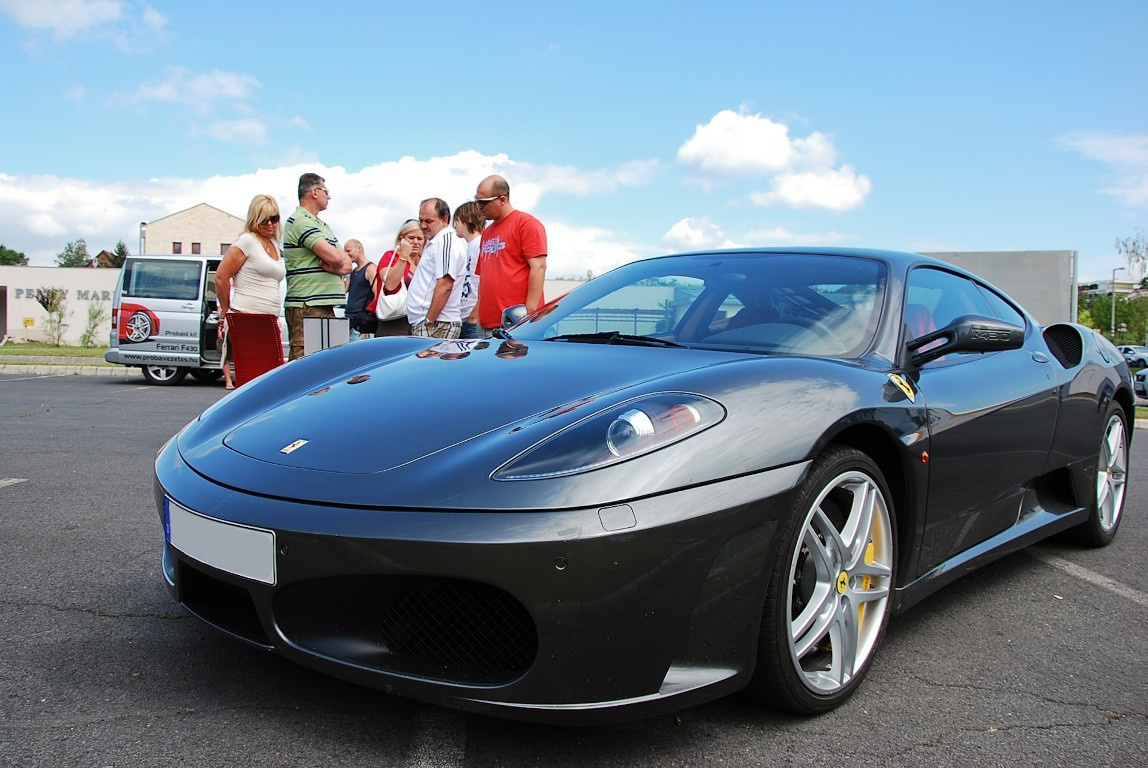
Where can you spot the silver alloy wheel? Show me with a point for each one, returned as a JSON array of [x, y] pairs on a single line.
[[840, 582], [1111, 474], [138, 327], [164, 375]]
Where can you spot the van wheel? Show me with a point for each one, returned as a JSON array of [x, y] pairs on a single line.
[[206, 374], [164, 375]]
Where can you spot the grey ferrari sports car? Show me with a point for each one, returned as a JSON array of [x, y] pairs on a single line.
[[693, 475]]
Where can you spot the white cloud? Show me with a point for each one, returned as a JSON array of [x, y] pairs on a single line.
[[129, 27], [1126, 155], [696, 234], [576, 181], [837, 190], [244, 131], [801, 171], [202, 92], [46, 212], [737, 144], [575, 250], [64, 18]]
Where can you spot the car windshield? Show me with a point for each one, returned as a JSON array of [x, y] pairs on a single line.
[[765, 303]]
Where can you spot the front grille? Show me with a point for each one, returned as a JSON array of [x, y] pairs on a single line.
[[460, 630], [452, 630]]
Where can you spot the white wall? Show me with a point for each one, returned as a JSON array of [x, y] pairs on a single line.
[[82, 287]]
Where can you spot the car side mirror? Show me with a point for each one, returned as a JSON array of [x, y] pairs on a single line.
[[967, 333], [513, 315]]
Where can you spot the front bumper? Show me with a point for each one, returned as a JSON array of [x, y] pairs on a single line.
[[577, 615]]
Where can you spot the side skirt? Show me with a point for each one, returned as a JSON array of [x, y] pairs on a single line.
[[1032, 528]]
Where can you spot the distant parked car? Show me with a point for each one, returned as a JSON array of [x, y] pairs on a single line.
[[1136, 355], [1140, 383]]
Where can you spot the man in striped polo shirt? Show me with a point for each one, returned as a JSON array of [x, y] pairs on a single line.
[[315, 262]]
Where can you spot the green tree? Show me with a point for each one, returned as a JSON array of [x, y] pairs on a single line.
[[11, 258], [1131, 317], [119, 253], [75, 254]]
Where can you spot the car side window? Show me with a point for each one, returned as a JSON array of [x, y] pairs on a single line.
[[1002, 310], [944, 297]]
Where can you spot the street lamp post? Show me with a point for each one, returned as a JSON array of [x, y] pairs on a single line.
[[1112, 291], [143, 236]]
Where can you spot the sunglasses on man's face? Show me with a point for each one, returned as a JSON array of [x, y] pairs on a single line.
[[270, 220]]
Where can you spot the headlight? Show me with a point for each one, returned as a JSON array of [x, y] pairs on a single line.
[[616, 434]]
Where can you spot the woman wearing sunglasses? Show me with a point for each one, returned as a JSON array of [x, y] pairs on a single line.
[[248, 278]]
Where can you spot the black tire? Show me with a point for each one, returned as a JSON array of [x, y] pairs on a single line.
[[1107, 505], [206, 374], [164, 375], [830, 588], [1139, 363]]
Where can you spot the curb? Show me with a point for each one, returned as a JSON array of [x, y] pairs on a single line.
[[43, 369]]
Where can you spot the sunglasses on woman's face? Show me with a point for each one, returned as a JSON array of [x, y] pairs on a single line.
[[270, 220]]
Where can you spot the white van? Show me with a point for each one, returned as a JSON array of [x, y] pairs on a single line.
[[164, 318]]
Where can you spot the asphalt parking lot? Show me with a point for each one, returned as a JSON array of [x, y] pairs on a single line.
[[1038, 659]]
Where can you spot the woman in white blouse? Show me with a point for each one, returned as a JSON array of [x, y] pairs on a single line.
[[248, 278]]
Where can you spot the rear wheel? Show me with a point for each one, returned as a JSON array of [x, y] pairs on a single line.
[[164, 375], [1111, 475], [828, 598]]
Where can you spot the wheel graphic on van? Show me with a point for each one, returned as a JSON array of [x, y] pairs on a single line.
[[140, 324], [139, 327]]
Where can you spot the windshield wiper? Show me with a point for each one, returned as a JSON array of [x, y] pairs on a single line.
[[615, 337]]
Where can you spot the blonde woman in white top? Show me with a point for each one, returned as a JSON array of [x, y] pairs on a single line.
[[248, 278]]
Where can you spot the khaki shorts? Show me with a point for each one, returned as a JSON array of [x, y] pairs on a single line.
[[295, 317]]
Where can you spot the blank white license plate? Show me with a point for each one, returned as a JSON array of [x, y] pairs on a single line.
[[237, 549]]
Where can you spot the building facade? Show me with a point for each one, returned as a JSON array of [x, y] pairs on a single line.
[[201, 229]]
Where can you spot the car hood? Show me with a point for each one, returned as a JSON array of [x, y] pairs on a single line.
[[401, 409], [340, 425]]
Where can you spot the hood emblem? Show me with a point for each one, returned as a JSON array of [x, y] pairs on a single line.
[[291, 448]]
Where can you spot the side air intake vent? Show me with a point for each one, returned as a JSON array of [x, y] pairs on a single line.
[[1065, 343]]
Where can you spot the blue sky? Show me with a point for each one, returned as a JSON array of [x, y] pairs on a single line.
[[629, 129]]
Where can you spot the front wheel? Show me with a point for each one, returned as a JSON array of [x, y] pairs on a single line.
[[828, 598], [164, 375]]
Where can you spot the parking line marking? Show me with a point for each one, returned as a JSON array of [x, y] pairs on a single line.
[[1082, 573], [6, 481]]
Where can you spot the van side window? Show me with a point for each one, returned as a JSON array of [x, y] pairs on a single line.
[[162, 280]]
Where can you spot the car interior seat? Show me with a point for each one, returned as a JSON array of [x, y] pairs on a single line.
[[919, 320]]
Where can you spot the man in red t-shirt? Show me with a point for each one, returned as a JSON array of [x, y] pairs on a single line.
[[512, 259]]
